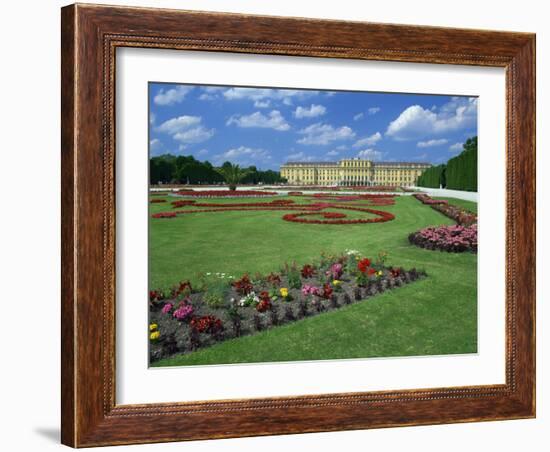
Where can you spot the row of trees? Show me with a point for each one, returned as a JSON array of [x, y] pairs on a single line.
[[171, 169], [460, 172]]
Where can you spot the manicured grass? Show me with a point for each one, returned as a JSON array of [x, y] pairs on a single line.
[[468, 205], [437, 315]]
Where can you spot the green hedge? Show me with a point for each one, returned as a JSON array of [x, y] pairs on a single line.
[[460, 172], [432, 177]]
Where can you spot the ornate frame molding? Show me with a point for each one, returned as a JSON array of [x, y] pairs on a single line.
[[90, 37]]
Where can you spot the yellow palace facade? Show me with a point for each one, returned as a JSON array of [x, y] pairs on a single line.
[[353, 172]]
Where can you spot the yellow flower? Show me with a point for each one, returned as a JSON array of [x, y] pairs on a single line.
[[336, 282], [153, 327], [154, 335], [284, 292], [379, 273]]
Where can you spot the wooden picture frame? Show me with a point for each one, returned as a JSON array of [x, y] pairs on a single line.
[[90, 36]]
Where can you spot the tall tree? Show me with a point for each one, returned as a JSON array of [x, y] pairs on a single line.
[[233, 174]]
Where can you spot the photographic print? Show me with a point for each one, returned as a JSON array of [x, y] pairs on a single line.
[[300, 225]]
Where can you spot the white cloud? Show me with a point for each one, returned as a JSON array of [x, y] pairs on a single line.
[[368, 141], [178, 124], [152, 118], [358, 116], [207, 96], [456, 147], [261, 94], [333, 153], [324, 134], [417, 122], [274, 120], [373, 110], [210, 92], [202, 152], [262, 103], [432, 143], [194, 135], [171, 96], [155, 144], [370, 154], [311, 112], [244, 155], [186, 129]]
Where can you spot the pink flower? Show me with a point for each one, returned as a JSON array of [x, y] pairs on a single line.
[[336, 271], [183, 312], [167, 308], [309, 290]]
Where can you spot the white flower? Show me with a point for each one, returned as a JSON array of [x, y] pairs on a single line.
[[208, 274], [352, 252]]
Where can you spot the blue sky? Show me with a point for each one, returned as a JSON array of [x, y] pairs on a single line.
[[268, 127]]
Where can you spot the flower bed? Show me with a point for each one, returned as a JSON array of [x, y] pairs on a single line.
[[461, 216], [284, 205], [225, 193], [337, 218], [455, 239], [164, 215], [224, 307], [156, 201], [425, 199]]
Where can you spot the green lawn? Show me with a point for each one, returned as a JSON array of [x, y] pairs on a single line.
[[437, 315]]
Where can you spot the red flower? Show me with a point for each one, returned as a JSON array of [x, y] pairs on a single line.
[[274, 279], [264, 295], [243, 286], [307, 271], [263, 306], [164, 215], [395, 272], [155, 295], [183, 287], [207, 324], [371, 271], [363, 265], [327, 291]]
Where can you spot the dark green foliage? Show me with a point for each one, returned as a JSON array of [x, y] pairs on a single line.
[[171, 169], [460, 172], [432, 177]]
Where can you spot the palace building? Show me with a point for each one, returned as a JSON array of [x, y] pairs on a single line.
[[353, 172]]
